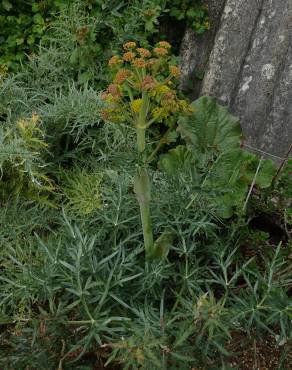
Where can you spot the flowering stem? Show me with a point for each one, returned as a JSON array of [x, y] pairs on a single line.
[[142, 190], [141, 124], [141, 142]]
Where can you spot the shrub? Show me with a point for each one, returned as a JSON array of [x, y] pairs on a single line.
[[23, 25]]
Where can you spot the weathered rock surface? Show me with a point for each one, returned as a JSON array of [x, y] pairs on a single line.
[[195, 50], [250, 69]]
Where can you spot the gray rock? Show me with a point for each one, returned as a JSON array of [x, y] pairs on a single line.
[[196, 49], [277, 133], [250, 69], [230, 49]]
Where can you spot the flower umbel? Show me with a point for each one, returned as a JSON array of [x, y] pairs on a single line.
[[174, 71], [121, 76], [136, 105], [164, 44], [128, 56], [129, 45], [144, 53], [141, 81], [160, 51], [159, 114], [160, 90], [139, 63], [114, 91], [114, 60], [148, 83]]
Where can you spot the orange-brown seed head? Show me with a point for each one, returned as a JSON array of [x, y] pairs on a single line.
[[160, 51], [121, 76], [104, 96], [139, 62], [129, 45], [148, 83], [164, 44], [113, 89], [114, 60], [174, 70], [144, 53], [128, 56]]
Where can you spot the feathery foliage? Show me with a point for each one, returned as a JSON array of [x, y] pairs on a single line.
[[75, 289]]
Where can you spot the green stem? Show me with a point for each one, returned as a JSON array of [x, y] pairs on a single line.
[[141, 141], [142, 190], [142, 182], [147, 229]]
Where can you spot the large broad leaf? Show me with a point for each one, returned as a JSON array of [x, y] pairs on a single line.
[[226, 183], [210, 128], [232, 174], [223, 171], [266, 173], [177, 159]]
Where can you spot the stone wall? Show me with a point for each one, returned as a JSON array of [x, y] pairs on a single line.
[[247, 63]]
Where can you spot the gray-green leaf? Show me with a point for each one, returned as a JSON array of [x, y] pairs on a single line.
[[210, 128]]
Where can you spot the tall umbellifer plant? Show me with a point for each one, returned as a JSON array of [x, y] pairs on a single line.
[[143, 93]]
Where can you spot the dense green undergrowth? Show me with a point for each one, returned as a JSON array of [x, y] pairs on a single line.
[[75, 289], [24, 24]]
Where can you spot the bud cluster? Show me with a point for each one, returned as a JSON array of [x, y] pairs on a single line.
[[144, 86]]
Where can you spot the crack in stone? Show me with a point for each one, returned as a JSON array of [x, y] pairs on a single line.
[[244, 59]]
